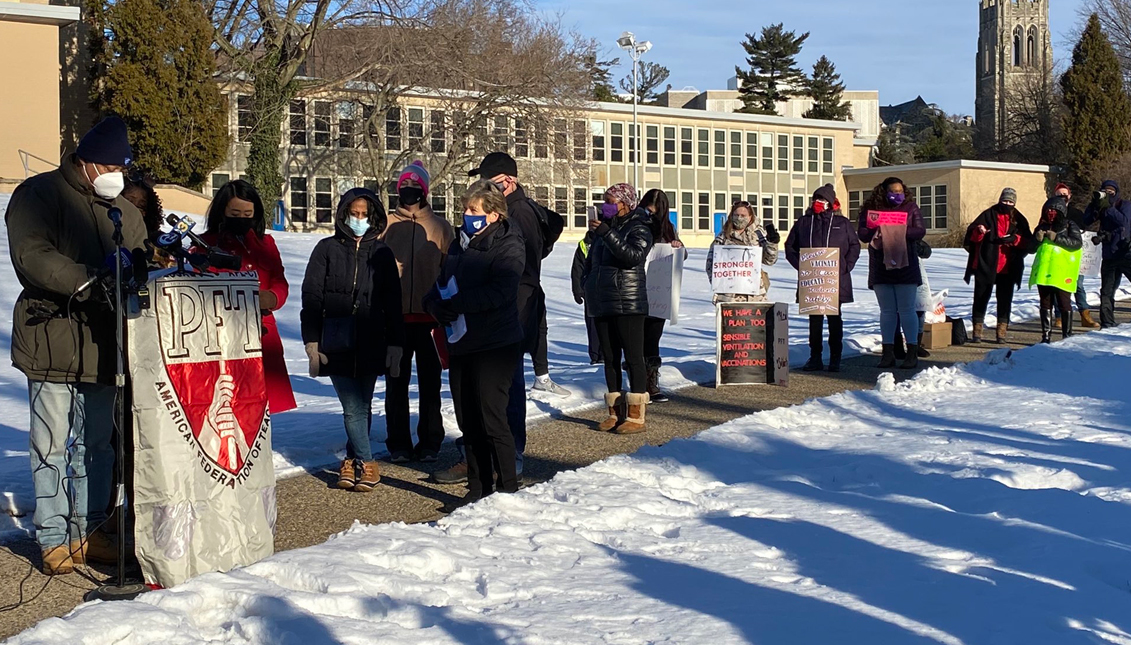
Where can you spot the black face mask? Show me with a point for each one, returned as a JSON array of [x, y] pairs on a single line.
[[238, 226], [410, 195]]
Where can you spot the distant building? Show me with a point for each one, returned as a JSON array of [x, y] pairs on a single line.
[[1014, 55]]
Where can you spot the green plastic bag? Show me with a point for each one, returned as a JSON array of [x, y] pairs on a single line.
[[1055, 266]]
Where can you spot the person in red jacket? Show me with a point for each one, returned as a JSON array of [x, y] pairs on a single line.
[[997, 241], [237, 224]]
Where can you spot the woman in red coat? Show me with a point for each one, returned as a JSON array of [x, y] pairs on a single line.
[[237, 224]]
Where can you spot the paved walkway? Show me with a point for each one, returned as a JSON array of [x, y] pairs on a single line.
[[311, 509]]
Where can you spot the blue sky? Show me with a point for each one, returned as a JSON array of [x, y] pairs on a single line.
[[902, 48]]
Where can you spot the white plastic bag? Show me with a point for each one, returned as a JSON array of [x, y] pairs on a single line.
[[937, 312]]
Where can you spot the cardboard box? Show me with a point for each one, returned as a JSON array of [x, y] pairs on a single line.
[[936, 335]]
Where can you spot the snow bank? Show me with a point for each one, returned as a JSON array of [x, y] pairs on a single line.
[[981, 504]]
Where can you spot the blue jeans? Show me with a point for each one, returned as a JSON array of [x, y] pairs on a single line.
[[356, 395], [71, 458], [897, 309]]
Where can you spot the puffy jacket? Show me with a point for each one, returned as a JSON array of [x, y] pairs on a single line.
[[614, 277], [354, 277], [420, 242], [877, 272], [984, 251], [1114, 223], [59, 236], [827, 230], [487, 269]]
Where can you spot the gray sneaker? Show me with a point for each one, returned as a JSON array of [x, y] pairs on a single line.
[[550, 387]]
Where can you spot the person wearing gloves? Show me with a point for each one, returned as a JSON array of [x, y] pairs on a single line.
[[740, 230], [237, 224], [616, 292], [655, 201], [1077, 216], [824, 226], [1056, 230], [352, 325], [479, 308], [1113, 214], [419, 239], [578, 285], [998, 241], [893, 266]]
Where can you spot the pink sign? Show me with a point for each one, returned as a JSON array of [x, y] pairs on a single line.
[[886, 218]]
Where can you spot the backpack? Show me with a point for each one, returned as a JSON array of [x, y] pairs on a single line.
[[957, 331], [551, 223]]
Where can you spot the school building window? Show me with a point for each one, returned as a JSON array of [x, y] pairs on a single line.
[[686, 212], [704, 223], [597, 128], [652, 144], [415, 128], [323, 200], [720, 149], [393, 129], [561, 199], [521, 139], [736, 150], [580, 209], [703, 139], [322, 124], [783, 212], [686, 148], [768, 152], [347, 117], [721, 203], [243, 117], [438, 196], [768, 208], [391, 195], [437, 137], [669, 146], [783, 153], [827, 156], [579, 136], [297, 122], [298, 199], [218, 180], [751, 150], [798, 154], [542, 194], [541, 142], [811, 149], [798, 207], [616, 143], [932, 203], [561, 139]]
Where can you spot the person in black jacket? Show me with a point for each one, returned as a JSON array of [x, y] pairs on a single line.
[[1076, 215], [1056, 228], [351, 322], [576, 272], [997, 241], [476, 300], [656, 203], [616, 294]]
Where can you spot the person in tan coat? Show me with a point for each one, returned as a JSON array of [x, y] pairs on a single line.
[[419, 240]]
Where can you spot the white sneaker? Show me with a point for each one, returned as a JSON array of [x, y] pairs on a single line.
[[548, 386]]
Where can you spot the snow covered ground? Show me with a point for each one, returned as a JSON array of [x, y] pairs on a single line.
[[312, 435], [979, 504]]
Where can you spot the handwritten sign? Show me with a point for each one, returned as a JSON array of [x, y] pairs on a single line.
[[753, 344], [737, 270], [818, 282], [664, 268], [887, 218], [1092, 257]]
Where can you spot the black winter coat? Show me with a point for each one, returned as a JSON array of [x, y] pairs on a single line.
[[916, 230], [1068, 234], [487, 272], [354, 277], [577, 271], [531, 299], [615, 281], [832, 229], [982, 264]]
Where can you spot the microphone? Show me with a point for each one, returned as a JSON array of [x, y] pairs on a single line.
[[110, 266], [115, 215], [182, 228]]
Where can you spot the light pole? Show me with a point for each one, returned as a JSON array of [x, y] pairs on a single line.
[[627, 42]]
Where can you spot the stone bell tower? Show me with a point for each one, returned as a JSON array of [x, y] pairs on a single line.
[[1014, 56]]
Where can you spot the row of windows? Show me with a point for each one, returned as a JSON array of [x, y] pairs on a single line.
[[932, 201], [312, 123]]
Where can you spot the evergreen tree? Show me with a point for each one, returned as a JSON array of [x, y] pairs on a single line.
[[946, 139], [773, 75], [650, 77], [153, 67], [892, 149], [1097, 119], [601, 77], [827, 93]]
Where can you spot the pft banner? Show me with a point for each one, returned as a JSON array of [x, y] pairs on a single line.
[[204, 483]]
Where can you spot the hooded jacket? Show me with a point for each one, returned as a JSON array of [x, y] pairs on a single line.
[[1068, 234], [986, 250], [614, 277], [59, 236], [419, 242], [1114, 219], [347, 276], [487, 271], [832, 230]]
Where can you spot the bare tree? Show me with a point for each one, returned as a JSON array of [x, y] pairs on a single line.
[[1033, 131], [1115, 18]]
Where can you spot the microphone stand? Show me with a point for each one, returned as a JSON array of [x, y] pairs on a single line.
[[122, 590]]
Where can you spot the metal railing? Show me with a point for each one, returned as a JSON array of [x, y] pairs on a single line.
[[26, 158]]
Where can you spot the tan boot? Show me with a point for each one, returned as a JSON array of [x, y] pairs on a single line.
[[347, 478], [78, 552], [1086, 320], [368, 477], [100, 548], [634, 420], [1002, 333], [57, 560], [976, 337], [615, 403]]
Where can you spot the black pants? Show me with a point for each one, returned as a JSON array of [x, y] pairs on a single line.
[[623, 336], [430, 425], [594, 342], [984, 289], [540, 355], [480, 384], [817, 333], [1112, 273], [653, 331]]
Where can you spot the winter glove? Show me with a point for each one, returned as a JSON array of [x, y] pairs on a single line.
[[578, 298], [317, 359], [1040, 235], [393, 357], [1008, 240], [442, 312], [1050, 236], [772, 234]]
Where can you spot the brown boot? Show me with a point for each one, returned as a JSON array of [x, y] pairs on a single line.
[[100, 548], [57, 560], [615, 402], [976, 337], [347, 478], [634, 420], [1002, 333], [368, 477], [1086, 320]]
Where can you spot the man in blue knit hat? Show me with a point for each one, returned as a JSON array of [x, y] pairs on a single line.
[[59, 236]]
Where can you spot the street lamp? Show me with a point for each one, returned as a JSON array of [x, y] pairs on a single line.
[[627, 42]]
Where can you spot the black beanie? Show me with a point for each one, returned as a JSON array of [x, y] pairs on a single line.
[[107, 143], [827, 193]]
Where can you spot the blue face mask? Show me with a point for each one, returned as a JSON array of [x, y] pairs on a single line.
[[609, 211], [357, 226], [472, 224], [896, 198]]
